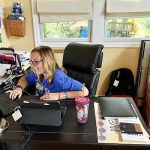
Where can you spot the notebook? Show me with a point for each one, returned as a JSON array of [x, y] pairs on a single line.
[[116, 107], [130, 128]]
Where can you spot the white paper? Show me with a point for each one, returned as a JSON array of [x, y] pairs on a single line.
[[3, 68], [17, 115]]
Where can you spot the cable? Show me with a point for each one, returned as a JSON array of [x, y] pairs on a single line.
[[27, 140], [3, 146], [29, 132], [22, 139]]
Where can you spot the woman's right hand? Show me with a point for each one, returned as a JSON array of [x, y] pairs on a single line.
[[14, 93]]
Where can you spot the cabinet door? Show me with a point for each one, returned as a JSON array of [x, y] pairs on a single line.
[[147, 112], [148, 82], [147, 98]]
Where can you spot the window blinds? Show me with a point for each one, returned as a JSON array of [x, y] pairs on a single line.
[[64, 10], [127, 8]]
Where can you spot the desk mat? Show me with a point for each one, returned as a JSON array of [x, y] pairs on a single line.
[[104, 135]]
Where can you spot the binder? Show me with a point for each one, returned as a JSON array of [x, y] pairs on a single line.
[[116, 107]]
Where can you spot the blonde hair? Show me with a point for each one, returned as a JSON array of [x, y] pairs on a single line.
[[49, 61]]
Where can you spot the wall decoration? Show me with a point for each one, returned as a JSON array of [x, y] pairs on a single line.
[[15, 22]]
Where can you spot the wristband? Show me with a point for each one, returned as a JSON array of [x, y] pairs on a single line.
[[59, 96], [65, 95]]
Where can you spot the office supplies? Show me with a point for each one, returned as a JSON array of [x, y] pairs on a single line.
[[116, 107], [117, 137]]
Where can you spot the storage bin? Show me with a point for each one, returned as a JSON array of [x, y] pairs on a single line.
[[16, 27]]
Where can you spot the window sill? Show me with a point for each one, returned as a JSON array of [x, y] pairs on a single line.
[[62, 45], [121, 44], [59, 45]]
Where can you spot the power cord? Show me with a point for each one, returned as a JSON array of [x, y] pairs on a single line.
[[21, 143], [27, 140], [28, 132]]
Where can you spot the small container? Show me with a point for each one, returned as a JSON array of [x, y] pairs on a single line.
[[16, 27], [82, 107]]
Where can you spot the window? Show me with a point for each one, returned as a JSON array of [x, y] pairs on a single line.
[[66, 31], [56, 23], [109, 22], [127, 21], [128, 28]]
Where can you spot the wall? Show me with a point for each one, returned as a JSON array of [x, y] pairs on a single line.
[[5, 41], [27, 42], [113, 57]]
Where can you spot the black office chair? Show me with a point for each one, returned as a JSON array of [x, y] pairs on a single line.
[[81, 62]]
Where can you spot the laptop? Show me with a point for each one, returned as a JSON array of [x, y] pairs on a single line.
[[37, 112]]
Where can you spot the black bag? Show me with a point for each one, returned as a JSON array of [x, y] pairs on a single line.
[[121, 83]]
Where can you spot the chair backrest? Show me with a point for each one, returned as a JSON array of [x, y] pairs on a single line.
[[81, 62]]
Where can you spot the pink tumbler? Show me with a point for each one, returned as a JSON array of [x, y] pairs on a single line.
[[82, 107]]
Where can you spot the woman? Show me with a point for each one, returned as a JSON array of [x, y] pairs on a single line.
[[50, 81]]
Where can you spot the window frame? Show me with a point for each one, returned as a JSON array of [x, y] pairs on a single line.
[[97, 31]]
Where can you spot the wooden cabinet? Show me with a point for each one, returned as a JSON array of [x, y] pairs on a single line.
[[147, 101]]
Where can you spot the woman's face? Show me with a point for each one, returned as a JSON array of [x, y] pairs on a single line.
[[37, 63]]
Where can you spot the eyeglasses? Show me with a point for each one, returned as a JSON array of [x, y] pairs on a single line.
[[35, 62]]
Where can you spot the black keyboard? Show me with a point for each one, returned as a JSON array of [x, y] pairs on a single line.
[[7, 105]]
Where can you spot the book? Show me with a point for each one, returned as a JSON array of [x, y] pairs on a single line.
[[134, 137], [116, 107], [130, 128]]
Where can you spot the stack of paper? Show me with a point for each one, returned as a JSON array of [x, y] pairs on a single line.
[[3, 68]]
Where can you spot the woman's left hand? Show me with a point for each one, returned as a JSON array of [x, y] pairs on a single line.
[[50, 96]]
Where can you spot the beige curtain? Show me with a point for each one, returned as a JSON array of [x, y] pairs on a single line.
[[127, 8], [64, 10]]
